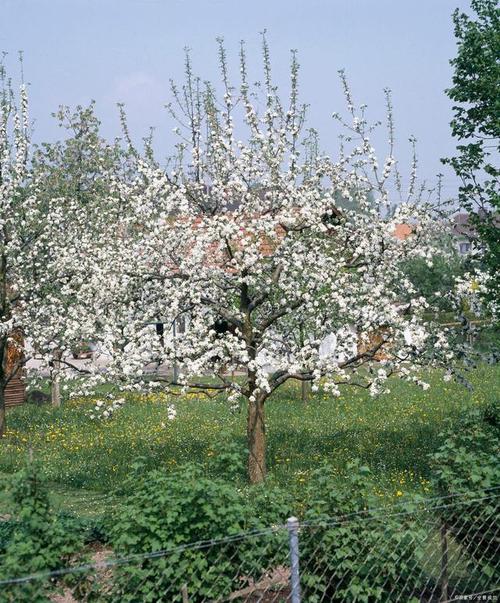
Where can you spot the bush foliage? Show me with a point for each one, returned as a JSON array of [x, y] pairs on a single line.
[[165, 511], [36, 540], [362, 554], [466, 469]]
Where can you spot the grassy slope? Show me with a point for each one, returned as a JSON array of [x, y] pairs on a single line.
[[392, 434]]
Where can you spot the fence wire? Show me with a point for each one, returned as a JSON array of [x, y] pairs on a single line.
[[443, 549]]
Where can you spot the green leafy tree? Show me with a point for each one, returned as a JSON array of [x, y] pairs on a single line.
[[476, 124], [434, 282]]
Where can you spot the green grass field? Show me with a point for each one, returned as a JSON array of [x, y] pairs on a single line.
[[85, 461]]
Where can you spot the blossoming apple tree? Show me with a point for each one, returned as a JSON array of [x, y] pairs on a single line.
[[72, 180], [280, 262], [16, 212], [51, 238]]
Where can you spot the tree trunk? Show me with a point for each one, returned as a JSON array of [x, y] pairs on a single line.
[[55, 391], [305, 391], [3, 382], [55, 379], [2, 409], [256, 433]]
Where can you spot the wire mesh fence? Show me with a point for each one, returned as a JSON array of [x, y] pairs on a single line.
[[442, 551], [434, 550]]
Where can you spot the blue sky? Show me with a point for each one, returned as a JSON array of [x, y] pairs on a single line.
[[126, 50]]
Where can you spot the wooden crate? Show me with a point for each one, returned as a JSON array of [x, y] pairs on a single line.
[[15, 392]]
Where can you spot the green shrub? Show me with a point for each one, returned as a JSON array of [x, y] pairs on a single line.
[[36, 541], [229, 461], [169, 511], [361, 556], [271, 505], [7, 529], [466, 469], [90, 530]]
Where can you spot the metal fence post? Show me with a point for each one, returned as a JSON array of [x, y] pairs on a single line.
[[443, 579], [293, 532]]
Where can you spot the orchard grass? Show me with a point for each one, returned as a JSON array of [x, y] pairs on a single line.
[[86, 461]]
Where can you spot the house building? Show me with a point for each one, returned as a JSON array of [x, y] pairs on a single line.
[[463, 233]]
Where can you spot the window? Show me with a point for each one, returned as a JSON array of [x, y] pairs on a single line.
[[464, 247]]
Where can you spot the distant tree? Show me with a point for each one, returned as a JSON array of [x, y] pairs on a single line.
[[437, 279], [73, 170], [476, 124]]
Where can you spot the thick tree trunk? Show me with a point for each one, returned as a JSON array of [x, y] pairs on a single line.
[[55, 380], [256, 433], [256, 427]]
